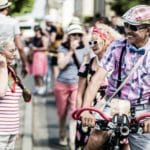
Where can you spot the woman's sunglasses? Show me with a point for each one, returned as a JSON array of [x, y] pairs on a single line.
[[76, 34], [134, 27], [93, 43]]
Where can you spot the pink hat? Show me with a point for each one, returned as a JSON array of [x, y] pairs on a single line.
[[138, 15]]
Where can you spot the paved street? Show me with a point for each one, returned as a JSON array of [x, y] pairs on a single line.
[[39, 123], [45, 124]]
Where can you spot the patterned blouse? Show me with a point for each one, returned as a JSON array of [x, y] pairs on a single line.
[[87, 72]]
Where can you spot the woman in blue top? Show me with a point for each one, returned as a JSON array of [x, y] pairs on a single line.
[[70, 56]]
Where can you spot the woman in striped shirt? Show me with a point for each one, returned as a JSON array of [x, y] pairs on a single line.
[[10, 94]]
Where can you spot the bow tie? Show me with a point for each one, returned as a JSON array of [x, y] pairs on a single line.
[[140, 51]]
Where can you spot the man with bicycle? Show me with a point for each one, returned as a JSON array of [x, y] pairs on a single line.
[[137, 89]]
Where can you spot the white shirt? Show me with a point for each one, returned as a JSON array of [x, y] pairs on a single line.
[[9, 27]]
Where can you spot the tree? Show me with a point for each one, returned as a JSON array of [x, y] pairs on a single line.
[[20, 7], [121, 6]]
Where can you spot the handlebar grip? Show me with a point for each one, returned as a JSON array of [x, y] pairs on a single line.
[[74, 115]]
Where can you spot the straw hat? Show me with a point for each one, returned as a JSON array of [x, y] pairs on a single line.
[[4, 4]]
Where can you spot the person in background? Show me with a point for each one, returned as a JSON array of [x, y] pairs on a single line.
[[39, 65], [136, 91], [55, 34], [70, 55], [101, 37], [116, 26], [75, 20], [10, 95], [102, 20], [10, 28]]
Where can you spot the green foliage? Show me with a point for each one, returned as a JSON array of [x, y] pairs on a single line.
[[121, 6], [20, 7], [87, 19]]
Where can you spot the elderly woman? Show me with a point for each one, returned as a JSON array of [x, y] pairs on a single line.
[[70, 56], [101, 37], [10, 94]]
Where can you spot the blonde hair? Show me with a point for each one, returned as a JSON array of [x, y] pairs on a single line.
[[110, 32]]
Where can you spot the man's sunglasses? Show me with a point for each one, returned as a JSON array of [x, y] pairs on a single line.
[[93, 43], [134, 27]]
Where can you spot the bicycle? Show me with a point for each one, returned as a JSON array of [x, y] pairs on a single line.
[[119, 125]]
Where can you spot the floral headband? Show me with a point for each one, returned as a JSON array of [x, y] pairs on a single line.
[[102, 34]]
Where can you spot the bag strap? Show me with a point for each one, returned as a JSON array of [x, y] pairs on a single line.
[[89, 70], [76, 61], [16, 78]]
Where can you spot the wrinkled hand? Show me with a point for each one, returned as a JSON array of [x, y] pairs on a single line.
[[147, 126], [87, 119]]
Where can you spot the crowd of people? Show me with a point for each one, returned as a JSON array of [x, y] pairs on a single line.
[[86, 66]]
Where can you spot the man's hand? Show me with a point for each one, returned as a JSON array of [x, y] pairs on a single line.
[[147, 126], [87, 119]]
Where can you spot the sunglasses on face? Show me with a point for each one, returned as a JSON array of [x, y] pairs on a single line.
[[134, 27], [93, 43], [76, 34]]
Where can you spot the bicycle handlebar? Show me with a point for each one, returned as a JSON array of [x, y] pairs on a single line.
[[120, 125], [76, 114]]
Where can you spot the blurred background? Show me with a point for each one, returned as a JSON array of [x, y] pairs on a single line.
[[64, 10]]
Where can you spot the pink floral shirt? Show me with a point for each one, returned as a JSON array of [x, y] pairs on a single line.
[[137, 89]]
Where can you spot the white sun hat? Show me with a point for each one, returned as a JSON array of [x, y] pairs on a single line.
[[4, 4], [74, 28], [49, 18]]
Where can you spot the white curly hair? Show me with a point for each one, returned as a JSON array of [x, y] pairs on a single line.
[[4, 42]]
